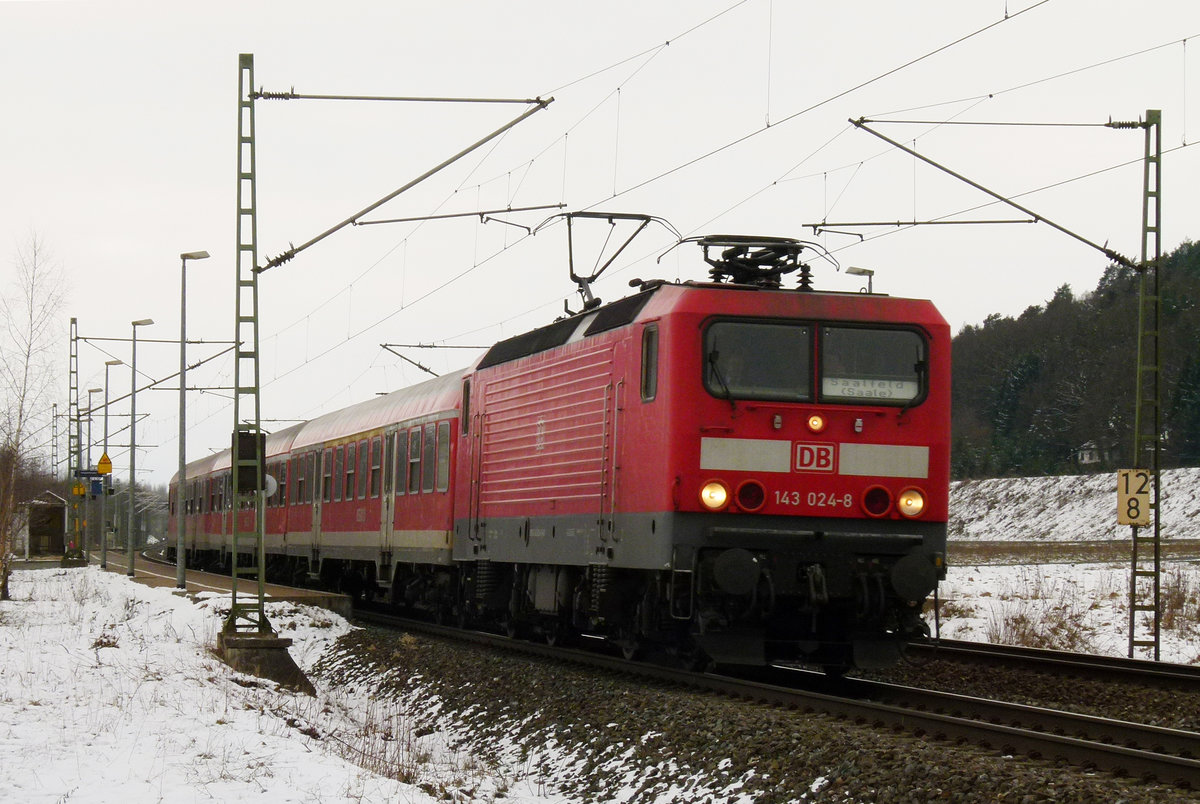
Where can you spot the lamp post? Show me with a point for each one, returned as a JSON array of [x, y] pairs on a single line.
[[854, 270], [107, 478], [90, 519], [180, 560], [141, 322]]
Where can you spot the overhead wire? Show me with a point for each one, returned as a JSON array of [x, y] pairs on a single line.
[[794, 115], [1042, 188], [1047, 79], [628, 59]]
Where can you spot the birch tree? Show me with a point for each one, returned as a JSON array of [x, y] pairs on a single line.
[[29, 313]]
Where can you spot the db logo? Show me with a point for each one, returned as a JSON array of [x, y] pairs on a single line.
[[814, 457]]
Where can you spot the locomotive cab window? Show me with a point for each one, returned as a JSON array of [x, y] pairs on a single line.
[[873, 366], [758, 360]]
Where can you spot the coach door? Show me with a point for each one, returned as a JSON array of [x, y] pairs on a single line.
[[323, 469], [387, 501]]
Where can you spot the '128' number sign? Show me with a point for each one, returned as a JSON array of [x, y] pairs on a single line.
[[1133, 497]]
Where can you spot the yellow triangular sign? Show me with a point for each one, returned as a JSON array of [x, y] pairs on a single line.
[[105, 465]]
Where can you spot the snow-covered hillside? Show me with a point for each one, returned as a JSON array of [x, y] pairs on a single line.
[[1067, 508]]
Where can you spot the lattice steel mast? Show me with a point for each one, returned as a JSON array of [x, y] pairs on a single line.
[[1146, 563], [246, 459]]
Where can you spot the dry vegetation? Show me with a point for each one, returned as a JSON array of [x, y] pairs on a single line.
[[1039, 612]]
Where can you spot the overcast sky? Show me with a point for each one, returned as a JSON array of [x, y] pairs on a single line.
[[118, 150]]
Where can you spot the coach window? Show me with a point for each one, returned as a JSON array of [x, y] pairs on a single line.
[[414, 460], [649, 363], [376, 466], [363, 469], [758, 360], [429, 458], [327, 466], [300, 484], [339, 478], [872, 366], [401, 462], [443, 456], [283, 478]]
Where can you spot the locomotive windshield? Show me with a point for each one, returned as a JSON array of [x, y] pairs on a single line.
[[880, 366], [745, 360]]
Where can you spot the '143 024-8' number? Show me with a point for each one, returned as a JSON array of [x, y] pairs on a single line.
[[814, 499]]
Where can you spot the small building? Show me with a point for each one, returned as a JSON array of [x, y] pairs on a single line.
[[43, 531], [1091, 454]]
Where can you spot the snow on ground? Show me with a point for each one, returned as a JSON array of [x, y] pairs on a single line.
[[109, 692], [1080, 607], [1076, 607]]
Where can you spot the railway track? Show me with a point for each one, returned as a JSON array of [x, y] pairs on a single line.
[[1078, 664], [1091, 743]]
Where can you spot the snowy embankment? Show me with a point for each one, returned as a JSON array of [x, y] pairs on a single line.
[[1070, 606], [109, 692], [1066, 508]]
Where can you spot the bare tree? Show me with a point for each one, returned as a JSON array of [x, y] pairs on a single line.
[[27, 319]]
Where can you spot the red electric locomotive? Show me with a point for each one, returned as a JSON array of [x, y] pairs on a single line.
[[727, 470]]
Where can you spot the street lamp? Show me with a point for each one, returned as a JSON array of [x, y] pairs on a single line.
[[88, 498], [867, 272], [180, 562], [107, 478], [141, 322]]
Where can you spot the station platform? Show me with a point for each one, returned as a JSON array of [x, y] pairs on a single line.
[[163, 575]]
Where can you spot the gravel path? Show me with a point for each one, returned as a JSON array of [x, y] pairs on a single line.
[[598, 737]]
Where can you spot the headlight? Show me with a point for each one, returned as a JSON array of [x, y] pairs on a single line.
[[911, 502], [714, 495], [816, 423]]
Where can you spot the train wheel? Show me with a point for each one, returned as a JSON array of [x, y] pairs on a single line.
[[554, 632]]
